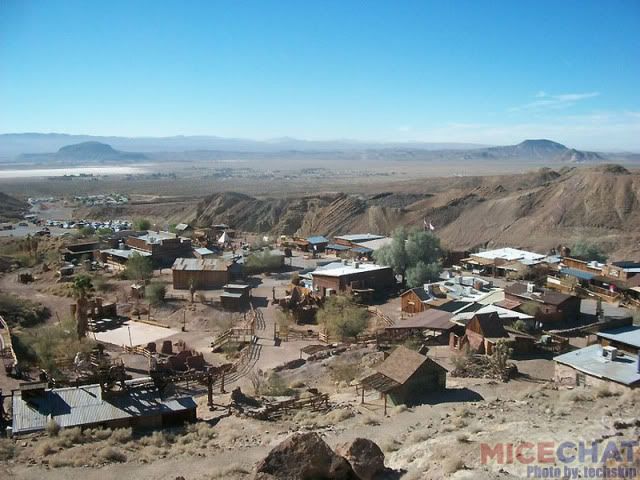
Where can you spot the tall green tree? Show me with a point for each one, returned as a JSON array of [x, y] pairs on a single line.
[[342, 317], [139, 268], [414, 255], [588, 251], [141, 224], [82, 286]]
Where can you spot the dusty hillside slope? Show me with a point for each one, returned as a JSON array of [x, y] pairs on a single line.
[[11, 208], [537, 210]]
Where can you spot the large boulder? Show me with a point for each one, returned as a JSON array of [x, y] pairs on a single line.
[[304, 456], [364, 456]]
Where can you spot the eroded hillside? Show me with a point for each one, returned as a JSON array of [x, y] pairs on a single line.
[[535, 210]]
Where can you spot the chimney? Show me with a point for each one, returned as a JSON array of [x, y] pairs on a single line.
[[530, 287]]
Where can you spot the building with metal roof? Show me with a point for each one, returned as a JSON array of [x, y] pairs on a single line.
[[626, 338], [359, 237], [200, 273], [597, 365], [88, 405]]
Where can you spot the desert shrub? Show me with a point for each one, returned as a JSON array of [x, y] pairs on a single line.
[[45, 448], [111, 455], [156, 439], [452, 465], [603, 392], [121, 435], [419, 436], [260, 262], [337, 416], [71, 436], [369, 420], [344, 371], [228, 471], [101, 433], [101, 284], [275, 386], [156, 292], [7, 449], [390, 445], [22, 312], [141, 224], [399, 409], [61, 461], [577, 396], [49, 344], [52, 428]]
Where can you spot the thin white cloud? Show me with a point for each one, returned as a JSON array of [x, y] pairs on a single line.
[[548, 101], [604, 131]]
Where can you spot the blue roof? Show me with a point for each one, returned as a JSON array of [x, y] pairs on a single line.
[[317, 239], [629, 335], [337, 246], [574, 272], [624, 369]]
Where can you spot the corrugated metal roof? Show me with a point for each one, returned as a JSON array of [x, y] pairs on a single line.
[[86, 405], [337, 246], [623, 369], [317, 239], [200, 264], [574, 272], [359, 237], [629, 335], [122, 253]]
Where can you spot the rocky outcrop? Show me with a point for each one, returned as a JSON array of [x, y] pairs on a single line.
[[364, 456], [304, 456]]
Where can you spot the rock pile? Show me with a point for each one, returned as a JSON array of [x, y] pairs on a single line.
[[306, 456]]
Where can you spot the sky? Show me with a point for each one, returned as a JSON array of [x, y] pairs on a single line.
[[490, 72]]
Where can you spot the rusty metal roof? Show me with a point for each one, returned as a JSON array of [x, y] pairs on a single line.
[[200, 264]]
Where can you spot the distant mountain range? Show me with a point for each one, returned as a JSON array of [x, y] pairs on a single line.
[[13, 144], [537, 150], [30, 148], [92, 152]]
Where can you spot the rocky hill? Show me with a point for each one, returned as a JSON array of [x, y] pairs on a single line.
[[85, 152], [11, 209], [537, 150], [537, 210]]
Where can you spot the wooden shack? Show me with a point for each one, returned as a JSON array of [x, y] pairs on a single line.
[[235, 296], [406, 377], [199, 273]]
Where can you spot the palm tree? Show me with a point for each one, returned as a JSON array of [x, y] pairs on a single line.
[[82, 286]]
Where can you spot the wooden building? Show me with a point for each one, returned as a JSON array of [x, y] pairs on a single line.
[[199, 273], [164, 247], [235, 297], [485, 330], [406, 377], [80, 251], [137, 406], [419, 299], [354, 277], [546, 306]]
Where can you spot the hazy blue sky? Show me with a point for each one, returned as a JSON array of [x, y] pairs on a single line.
[[468, 71]]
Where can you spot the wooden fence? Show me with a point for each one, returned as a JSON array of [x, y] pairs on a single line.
[[7, 352]]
